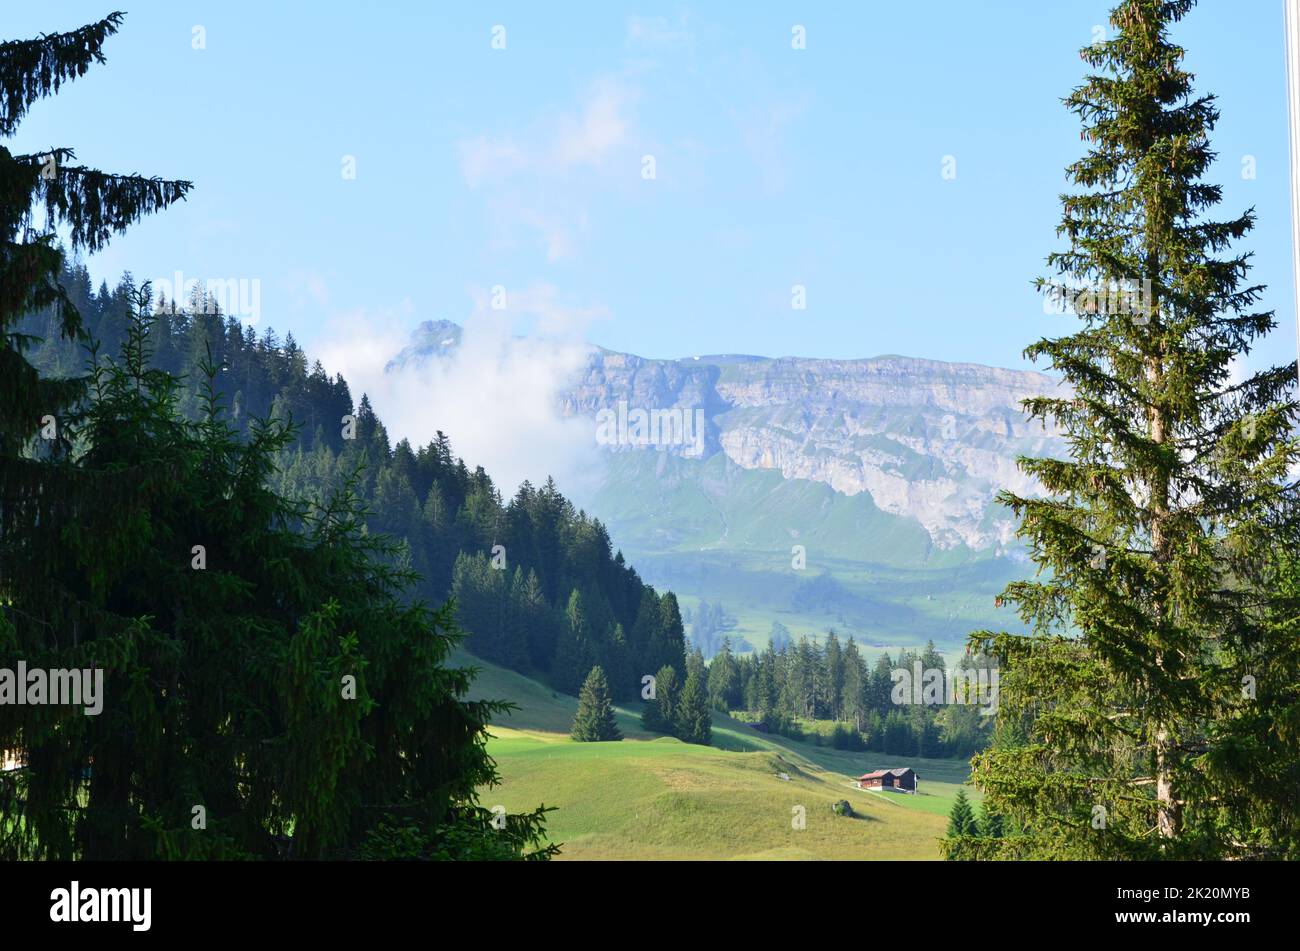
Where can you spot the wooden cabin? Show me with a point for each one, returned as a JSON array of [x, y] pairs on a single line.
[[901, 779]]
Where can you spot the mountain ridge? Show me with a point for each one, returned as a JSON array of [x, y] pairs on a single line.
[[926, 439]]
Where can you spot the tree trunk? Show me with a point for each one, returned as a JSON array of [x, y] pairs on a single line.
[[1168, 817], [1168, 812]]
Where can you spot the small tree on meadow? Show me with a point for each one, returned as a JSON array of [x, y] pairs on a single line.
[[594, 721]]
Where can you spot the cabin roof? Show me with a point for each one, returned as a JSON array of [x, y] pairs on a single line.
[[896, 771]]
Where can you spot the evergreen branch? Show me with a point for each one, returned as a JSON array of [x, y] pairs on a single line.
[[33, 69]]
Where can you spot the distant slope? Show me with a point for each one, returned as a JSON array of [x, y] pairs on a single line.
[[713, 531], [659, 798]]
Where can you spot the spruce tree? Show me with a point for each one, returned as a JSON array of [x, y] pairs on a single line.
[[573, 650], [660, 713], [961, 819], [1157, 543], [669, 644], [55, 518], [91, 205], [724, 677], [853, 693], [962, 829], [260, 657], [692, 719], [618, 659], [594, 722]]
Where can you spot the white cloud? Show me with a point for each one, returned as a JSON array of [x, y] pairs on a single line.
[[601, 128], [495, 397], [553, 144], [539, 179]]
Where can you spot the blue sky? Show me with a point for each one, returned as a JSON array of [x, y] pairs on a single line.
[[523, 167]]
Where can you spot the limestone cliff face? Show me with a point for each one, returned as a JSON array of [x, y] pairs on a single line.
[[927, 440]]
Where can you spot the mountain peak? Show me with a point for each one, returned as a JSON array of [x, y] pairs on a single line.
[[431, 338]]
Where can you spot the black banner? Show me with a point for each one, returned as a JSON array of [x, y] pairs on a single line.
[[937, 899]]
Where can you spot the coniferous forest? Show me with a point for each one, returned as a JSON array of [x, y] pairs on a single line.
[[535, 581]]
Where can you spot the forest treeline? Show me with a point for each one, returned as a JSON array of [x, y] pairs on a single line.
[[536, 582], [785, 687]]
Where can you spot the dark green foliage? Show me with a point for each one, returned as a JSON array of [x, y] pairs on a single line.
[[991, 823], [594, 721], [260, 657], [692, 718], [961, 819], [962, 830], [574, 653], [618, 660], [668, 639], [34, 69], [846, 738], [725, 688], [660, 713], [1163, 583], [283, 686], [87, 203]]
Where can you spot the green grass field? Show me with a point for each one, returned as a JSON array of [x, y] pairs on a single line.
[[652, 797]]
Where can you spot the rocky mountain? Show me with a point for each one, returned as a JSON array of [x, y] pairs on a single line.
[[925, 440], [881, 472]]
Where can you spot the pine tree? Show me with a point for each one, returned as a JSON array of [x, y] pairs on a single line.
[[961, 819], [693, 721], [573, 650], [660, 713], [259, 657], [1157, 544], [618, 659], [853, 693], [669, 644], [594, 721], [645, 632], [962, 826], [90, 204], [44, 496], [832, 679], [350, 700], [724, 676], [534, 615]]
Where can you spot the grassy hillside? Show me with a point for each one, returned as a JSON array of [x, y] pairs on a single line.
[[658, 798]]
